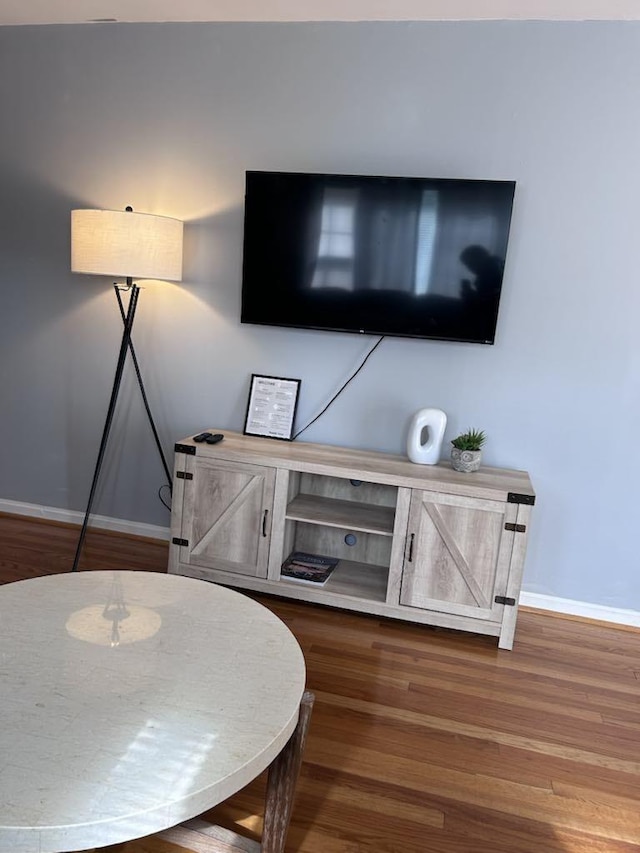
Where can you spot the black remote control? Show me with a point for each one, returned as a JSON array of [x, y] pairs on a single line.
[[201, 436], [215, 438]]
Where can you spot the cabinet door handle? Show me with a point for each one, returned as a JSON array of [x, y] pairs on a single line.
[[264, 522], [410, 557]]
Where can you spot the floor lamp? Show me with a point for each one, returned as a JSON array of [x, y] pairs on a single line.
[[126, 245]]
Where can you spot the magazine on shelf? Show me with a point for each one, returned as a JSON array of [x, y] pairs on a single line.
[[313, 569]]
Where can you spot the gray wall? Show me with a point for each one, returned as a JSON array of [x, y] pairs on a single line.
[[168, 117]]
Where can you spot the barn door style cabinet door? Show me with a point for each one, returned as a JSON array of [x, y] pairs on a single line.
[[226, 515], [458, 555], [415, 542]]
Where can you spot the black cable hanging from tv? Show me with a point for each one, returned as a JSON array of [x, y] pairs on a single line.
[[340, 390]]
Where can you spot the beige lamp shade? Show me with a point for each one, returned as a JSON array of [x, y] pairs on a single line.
[[126, 244]]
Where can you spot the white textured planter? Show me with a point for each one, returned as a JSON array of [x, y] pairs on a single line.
[[465, 460]]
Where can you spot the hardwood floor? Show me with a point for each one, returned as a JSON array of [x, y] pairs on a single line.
[[426, 740]]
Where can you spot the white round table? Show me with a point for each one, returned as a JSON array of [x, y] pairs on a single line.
[[132, 701]]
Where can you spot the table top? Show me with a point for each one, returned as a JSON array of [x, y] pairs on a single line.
[[131, 701]]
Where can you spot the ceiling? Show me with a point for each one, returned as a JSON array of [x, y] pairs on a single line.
[[84, 11]]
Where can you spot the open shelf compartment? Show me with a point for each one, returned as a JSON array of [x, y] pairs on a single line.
[[357, 580], [331, 512], [363, 570]]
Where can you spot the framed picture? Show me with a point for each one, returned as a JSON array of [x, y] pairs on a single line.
[[271, 408]]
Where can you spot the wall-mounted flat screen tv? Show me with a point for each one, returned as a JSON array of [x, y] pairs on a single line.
[[413, 257]]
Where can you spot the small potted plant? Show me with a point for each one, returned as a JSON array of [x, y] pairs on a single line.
[[466, 452]]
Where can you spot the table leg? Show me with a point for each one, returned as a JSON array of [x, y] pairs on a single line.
[[281, 783]]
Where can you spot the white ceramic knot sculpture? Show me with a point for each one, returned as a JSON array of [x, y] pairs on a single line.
[[434, 421]]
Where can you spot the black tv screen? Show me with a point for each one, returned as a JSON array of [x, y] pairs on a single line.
[[413, 257]]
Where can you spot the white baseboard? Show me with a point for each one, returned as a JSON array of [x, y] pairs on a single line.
[[51, 513], [567, 606]]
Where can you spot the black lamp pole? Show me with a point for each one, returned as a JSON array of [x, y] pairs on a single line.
[[144, 394], [125, 344]]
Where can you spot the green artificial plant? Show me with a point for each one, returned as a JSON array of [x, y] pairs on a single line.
[[472, 439]]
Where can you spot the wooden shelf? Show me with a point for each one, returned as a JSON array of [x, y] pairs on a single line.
[[348, 515], [357, 580]]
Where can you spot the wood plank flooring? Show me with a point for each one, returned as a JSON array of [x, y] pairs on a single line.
[[426, 740]]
